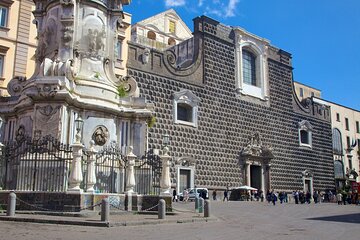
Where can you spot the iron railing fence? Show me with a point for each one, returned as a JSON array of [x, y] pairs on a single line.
[[40, 164]]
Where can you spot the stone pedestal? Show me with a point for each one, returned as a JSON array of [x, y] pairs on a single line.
[[165, 183], [91, 176], [76, 175], [130, 178]]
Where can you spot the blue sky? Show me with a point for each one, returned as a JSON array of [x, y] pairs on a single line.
[[323, 36]]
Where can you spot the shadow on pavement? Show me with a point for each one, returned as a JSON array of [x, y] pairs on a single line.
[[348, 218]]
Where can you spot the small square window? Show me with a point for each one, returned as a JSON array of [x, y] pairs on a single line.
[[184, 112], [3, 16], [305, 134], [304, 137], [185, 108]]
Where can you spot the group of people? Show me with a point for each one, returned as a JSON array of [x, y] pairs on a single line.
[[305, 197], [346, 197]]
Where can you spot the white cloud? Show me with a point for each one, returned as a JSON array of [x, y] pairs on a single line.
[[230, 8], [201, 2], [174, 3], [212, 11]]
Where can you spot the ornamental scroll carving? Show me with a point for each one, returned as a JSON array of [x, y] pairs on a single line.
[[16, 85], [255, 149]]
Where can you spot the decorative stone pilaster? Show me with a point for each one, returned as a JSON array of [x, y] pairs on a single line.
[[76, 175], [91, 176], [130, 178], [165, 183]]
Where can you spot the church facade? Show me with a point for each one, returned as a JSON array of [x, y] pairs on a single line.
[[232, 114]]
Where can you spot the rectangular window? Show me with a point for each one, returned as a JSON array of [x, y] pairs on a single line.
[[301, 92], [312, 94], [119, 49], [3, 16], [350, 164], [249, 72], [357, 127], [347, 124], [172, 27], [338, 117], [2, 65], [348, 144]]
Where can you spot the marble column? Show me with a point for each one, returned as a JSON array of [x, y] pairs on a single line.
[[248, 177]]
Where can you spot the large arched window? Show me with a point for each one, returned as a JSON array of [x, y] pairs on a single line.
[[339, 170], [249, 67], [337, 143]]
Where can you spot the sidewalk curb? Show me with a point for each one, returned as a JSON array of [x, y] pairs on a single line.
[[105, 224]]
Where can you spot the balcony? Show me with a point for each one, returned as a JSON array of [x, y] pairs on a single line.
[[150, 43]]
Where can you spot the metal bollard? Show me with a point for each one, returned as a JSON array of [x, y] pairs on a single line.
[[105, 210], [11, 205], [162, 209], [196, 204], [207, 208], [201, 205]]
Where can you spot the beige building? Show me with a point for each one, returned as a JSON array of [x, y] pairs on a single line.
[[17, 40], [304, 91], [161, 31], [345, 123], [346, 142]]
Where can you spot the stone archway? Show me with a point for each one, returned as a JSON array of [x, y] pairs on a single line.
[[255, 163], [308, 181], [185, 173]]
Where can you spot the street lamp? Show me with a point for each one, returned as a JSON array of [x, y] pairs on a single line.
[[166, 140], [78, 125]]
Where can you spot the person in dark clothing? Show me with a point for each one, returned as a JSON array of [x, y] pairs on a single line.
[[308, 197], [316, 197], [226, 195], [174, 195]]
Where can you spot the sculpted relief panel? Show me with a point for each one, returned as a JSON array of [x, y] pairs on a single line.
[[48, 120]]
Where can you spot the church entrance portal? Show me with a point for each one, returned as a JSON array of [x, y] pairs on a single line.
[[255, 176], [185, 177]]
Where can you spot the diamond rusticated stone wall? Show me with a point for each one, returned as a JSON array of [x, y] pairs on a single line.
[[226, 120]]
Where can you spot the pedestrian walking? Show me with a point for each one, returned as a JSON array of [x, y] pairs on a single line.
[[174, 196], [339, 198], [226, 195], [214, 195]]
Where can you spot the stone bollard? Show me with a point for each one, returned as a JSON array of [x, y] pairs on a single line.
[[11, 205], [105, 210], [201, 205], [196, 204], [162, 209], [207, 208]]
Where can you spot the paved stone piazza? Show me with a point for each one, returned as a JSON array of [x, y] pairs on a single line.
[[235, 220]]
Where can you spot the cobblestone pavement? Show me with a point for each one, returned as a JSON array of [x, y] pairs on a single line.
[[236, 220]]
